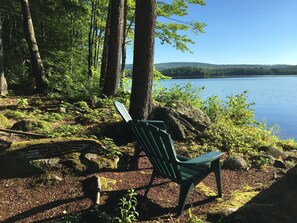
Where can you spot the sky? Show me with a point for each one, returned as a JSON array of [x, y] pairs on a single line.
[[238, 32]]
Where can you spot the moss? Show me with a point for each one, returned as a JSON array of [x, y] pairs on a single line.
[[73, 161], [4, 122], [16, 114], [238, 199], [107, 184], [207, 191]]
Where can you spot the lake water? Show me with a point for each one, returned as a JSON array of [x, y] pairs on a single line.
[[275, 97]]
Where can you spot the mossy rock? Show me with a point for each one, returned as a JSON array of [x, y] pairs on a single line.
[[38, 156], [29, 125]]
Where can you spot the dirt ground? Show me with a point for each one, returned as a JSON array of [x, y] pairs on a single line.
[[26, 200]]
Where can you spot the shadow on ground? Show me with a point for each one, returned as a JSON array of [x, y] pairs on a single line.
[[273, 205]]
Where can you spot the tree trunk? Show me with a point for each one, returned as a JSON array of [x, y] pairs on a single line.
[[114, 48], [91, 40], [123, 66], [105, 50], [3, 84], [36, 62], [143, 60]]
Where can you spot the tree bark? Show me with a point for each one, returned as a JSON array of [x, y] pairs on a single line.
[[114, 48], [105, 50], [143, 60], [36, 62], [91, 40], [3, 84], [123, 66]]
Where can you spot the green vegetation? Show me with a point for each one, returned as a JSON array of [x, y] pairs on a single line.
[[127, 208]]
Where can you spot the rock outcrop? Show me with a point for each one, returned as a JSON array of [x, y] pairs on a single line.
[[182, 120], [39, 156]]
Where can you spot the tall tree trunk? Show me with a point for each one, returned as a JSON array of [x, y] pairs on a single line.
[[91, 39], [105, 50], [3, 84], [36, 62], [143, 60], [123, 66], [114, 48]]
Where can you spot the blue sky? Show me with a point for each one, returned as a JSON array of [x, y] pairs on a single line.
[[239, 32]]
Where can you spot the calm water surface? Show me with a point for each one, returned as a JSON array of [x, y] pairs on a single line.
[[275, 97]]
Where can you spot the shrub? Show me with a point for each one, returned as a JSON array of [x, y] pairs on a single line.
[[183, 92]]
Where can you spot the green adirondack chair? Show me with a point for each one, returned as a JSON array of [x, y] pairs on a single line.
[[126, 116], [187, 172]]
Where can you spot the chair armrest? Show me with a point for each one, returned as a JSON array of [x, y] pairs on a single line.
[[208, 157], [157, 123], [182, 158]]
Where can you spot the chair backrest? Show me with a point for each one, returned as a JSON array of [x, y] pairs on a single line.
[[159, 148], [123, 111]]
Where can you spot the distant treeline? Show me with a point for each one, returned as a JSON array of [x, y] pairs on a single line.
[[195, 72]]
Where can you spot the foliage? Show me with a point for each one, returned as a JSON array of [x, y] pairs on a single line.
[[227, 136], [127, 208], [15, 114], [174, 32], [183, 92], [213, 108], [111, 147], [22, 102], [82, 106], [239, 110], [64, 131]]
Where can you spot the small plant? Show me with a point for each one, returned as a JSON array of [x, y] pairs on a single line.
[[22, 102], [111, 148], [82, 106], [67, 131], [127, 208], [193, 218]]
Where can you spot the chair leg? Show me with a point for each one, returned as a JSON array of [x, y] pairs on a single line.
[[150, 184], [183, 195], [217, 171]]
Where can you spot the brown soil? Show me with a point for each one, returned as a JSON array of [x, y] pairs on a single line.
[[22, 200]]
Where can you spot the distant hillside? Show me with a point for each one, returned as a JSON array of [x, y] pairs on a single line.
[[164, 66]]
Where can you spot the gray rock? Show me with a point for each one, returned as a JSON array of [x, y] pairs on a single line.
[[46, 164], [272, 151], [235, 163], [182, 120]]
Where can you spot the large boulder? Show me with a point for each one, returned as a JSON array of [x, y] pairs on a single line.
[[182, 120], [235, 163]]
